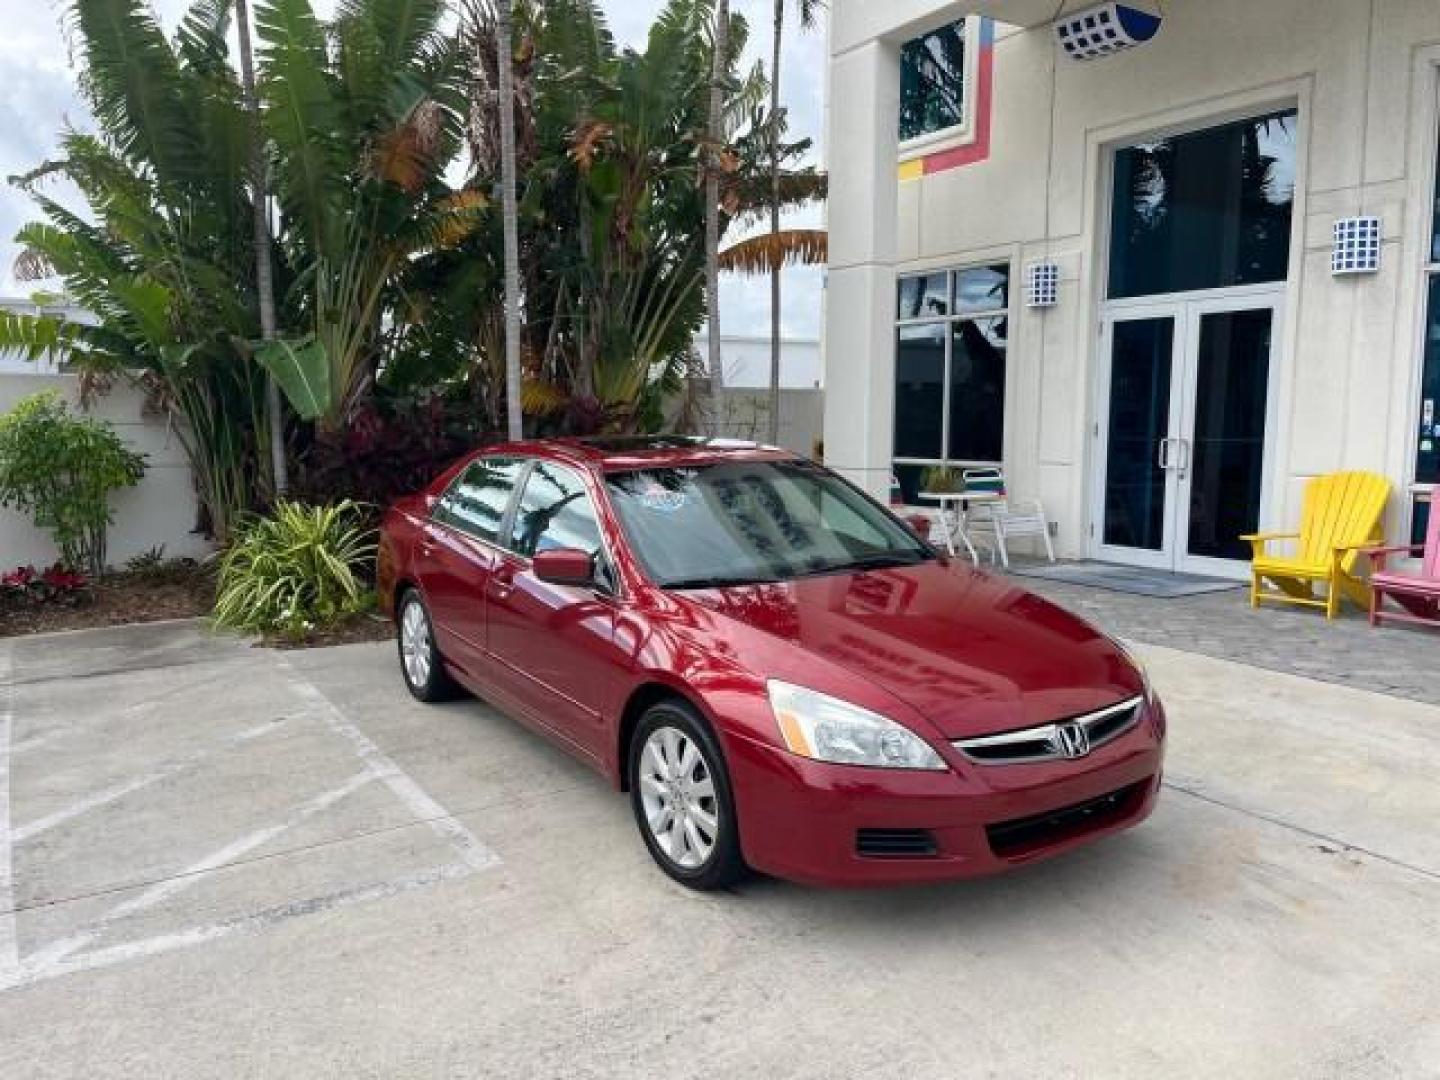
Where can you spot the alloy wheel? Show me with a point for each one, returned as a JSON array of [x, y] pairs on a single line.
[[415, 650], [677, 792]]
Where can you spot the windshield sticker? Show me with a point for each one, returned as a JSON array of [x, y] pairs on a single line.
[[663, 500]]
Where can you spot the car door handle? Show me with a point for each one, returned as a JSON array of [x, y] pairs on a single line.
[[499, 588]]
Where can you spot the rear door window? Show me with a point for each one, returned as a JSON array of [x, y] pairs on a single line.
[[476, 502]]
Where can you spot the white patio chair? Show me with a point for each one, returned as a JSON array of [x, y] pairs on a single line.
[[1000, 520]]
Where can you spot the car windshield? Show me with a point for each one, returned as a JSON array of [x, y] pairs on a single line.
[[749, 521]]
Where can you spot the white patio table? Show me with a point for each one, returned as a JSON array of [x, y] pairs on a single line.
[[954, 509]]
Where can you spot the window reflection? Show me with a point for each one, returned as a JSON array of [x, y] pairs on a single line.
[[977, 389], [476, 502], [919, 391], [932, 82], [925, 296], [1204, 210], [950, 372], [554, 512]]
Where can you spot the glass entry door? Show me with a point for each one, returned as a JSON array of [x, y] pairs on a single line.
[[1183, 418]]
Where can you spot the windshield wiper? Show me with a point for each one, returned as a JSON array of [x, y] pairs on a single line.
[[718, 582], [879, 560]]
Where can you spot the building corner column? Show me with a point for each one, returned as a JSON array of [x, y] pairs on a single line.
[[859, 338]]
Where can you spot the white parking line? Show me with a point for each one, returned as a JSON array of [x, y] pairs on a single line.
[[9, 943], [31, 829], [75, 953], [261, 920], [417, 799], [38, 963]]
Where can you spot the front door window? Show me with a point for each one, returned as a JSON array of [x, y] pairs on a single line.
[[1226, 447], [1139, 421], [1184, 432]]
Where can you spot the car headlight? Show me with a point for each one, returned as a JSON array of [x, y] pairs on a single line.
[[824, 728]]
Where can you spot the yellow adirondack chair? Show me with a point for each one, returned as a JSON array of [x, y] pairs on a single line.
[[1341, 515]]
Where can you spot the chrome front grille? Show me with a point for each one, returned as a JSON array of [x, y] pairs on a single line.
[[1064, 740]]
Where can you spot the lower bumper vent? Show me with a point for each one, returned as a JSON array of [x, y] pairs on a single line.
[[895, 843], [1022, 835]]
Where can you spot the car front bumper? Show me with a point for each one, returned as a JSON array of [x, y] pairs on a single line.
[[810, 822]]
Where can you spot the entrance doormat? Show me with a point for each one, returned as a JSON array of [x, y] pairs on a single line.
[[1126, 579]]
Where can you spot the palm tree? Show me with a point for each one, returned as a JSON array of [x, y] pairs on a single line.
[[505, 52], [164, 258], [715, 136], [808, 9], [363, 117], [264, 266]]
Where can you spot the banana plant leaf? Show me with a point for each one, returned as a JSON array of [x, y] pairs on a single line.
[[302, 369]]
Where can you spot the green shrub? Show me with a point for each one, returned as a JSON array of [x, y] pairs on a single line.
[[297, 570], [60, 469]]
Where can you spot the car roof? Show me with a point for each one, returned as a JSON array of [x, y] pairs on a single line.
[[615, 452]]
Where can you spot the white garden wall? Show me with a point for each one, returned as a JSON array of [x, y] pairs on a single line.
[[161, 510]]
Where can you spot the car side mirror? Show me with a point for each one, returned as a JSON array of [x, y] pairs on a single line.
[[564, 566]]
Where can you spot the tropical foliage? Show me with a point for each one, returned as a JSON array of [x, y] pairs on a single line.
[[377, 137], [60, 469], [299, 569]]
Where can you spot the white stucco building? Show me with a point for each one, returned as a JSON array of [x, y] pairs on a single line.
[[1202, 357]]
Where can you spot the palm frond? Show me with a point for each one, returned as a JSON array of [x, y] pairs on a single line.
[[304, 117], [200, 38], [762, 254], [131, 80]]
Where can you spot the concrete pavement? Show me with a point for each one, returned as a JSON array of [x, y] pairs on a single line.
[[229, 862]]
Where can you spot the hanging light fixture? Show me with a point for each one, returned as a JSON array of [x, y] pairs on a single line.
[[1104, 30]]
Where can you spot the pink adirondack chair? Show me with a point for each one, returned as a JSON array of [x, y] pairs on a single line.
[[1417, 594]]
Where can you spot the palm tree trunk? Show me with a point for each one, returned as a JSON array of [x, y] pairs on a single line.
[[713, 373], [264, 270], [774, 429], [505, 62]]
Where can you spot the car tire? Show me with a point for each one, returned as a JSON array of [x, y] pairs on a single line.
[[421, 665], [681, 795]]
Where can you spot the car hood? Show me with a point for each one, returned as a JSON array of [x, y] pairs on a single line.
[[973, 653]]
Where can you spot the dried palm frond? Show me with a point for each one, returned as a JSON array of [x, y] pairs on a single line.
[[762, 254]]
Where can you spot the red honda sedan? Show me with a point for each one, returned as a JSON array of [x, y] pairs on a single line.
[[780, 673]]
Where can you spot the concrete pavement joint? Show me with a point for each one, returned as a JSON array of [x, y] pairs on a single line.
[[257, 921], [1302, 830], [128, 669], [347, 838]]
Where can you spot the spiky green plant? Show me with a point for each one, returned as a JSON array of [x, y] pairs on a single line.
[[297, 570]]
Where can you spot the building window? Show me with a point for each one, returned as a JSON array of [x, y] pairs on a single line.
[[1427, 433], [934, 71], [951, 343], [1204, 210]]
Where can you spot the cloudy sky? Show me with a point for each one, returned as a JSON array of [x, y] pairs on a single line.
[[38, 98]]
